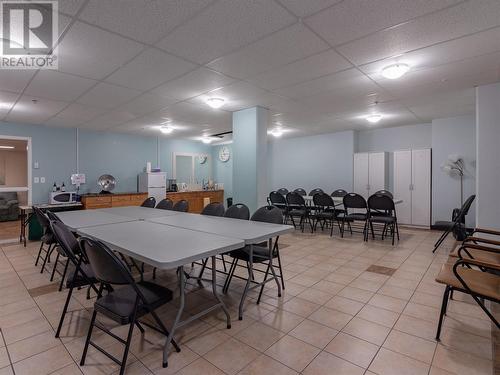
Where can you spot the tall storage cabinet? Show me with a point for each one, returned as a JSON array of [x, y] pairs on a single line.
[[370, 172], [412, 184]]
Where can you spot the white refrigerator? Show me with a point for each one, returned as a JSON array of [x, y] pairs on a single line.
[[154, 183]]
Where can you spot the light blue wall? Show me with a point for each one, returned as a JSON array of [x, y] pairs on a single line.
[[323, 161], [223, 171], [169, 146], [393, 139], [455, 135], [53, 149]]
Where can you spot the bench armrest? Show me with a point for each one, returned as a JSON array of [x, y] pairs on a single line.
[[486, 231]]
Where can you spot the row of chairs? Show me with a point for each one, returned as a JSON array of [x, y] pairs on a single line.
[[337, 193], [167, 204]]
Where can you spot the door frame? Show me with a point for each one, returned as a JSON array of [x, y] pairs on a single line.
[[29, 164]]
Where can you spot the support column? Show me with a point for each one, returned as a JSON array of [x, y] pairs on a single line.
[[488, 156], [250, 157]]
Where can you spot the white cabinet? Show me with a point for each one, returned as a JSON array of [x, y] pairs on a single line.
[[370, 173], [412, 184]]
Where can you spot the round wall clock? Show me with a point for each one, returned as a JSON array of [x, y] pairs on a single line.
[[224, 154]]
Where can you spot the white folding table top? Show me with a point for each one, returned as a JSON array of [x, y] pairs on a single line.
[[248, 231], [162, 246], [89, 218], [138, 213]]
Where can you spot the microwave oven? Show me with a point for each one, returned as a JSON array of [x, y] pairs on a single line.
[[62, 197]]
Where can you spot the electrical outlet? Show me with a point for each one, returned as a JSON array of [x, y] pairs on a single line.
[[42, 180], [36, 180], [36, 165]]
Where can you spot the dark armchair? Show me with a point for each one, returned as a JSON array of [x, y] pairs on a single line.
[[9, 206]]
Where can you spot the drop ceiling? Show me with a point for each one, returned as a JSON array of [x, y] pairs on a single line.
[[129, 65]]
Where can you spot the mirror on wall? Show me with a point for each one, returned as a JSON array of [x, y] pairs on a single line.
[[191, 169]]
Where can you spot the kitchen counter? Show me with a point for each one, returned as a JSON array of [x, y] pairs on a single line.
[[197, 198], [98, 200]]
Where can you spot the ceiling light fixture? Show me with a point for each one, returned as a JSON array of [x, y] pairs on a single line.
[[277, 132], [215, 102], [373, 119], [395, 71], [7, 147], [165, 129], [206, 140]]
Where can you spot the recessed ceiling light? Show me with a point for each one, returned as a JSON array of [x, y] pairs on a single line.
[[373, 118], [395, 71], [7, 147], [215, 102], [165, 129], [277, 132], [206, 140]]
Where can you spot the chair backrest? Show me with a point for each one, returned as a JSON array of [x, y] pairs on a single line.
[[149, 202], [181, 206], [339, 193], [381, 202], [42, 219], [300, 191], [464, 210], [165, 204], [275, 197], [268, 214], [66, 240], [283, 191], [238, 211], [315, 191], [213, 209], [385, 192], [323, 200], [107, 267], [353, 200], [294, 198], [52, 216]]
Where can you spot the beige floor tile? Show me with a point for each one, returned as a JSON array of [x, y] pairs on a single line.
[[331, 318], [411, 346], [369, 331], [344, 305], [44, 363], [396, 292], [293, 352], [33, 345], [316, 296], [461, 363], [282, 320], [356, 294], [416, 327], [389, 303], [176, 361], [231, 356], [328, 286], [391, 363], [300, 307], [467, 342], [6, 371], [23, 331], [4, 357], [265, 365], [313, 333], [259, 336], [377, 315], [200, 366], [207, 340], [352, 349], [327, 364], [422, 312]]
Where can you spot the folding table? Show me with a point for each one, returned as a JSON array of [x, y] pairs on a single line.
[[137, 212], [90, 218]]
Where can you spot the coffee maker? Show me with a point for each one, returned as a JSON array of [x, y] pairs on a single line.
[[172, 185]]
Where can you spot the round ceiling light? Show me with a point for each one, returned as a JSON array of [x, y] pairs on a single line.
[[206, 140], [277, 132], [395, 71], [215, 102], [165, 129], [373, 119]]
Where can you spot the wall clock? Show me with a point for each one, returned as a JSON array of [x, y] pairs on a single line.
[[224, 154]]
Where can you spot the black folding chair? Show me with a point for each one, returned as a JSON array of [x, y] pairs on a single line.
[[213, 209], [279, 200], [325, 211], [81, 275], [357, 202], [149, 202], [300, 191], [339, 193], [381, 210], [181, 206], [47, 238], [457, 223], [283, 191], [315, 191], [165, 204], [238, 211], [297, 208], [60, 252], [385, 192], [124, 305]]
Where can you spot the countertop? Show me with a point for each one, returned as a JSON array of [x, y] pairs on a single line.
[[111, 194]]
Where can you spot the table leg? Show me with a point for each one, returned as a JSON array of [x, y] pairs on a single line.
[[177, 318], [214, 290], [21, 215], [249, 280]]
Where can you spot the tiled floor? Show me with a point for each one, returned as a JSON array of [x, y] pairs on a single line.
[[333, 318]]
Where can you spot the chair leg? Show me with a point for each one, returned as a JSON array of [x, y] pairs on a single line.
[[39, 253], [87, 341], [45, 259], [55, 267], [373, 232], [204, 265], [164, 329], [444, 306], [154, 273], [63, 314], [342, 229], [262, 287], [281, 269], [230, 276], [393, 231], [397, 229], [127, 347], [64, 274]]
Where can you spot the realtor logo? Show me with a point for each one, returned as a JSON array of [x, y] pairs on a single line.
[[28, 34]]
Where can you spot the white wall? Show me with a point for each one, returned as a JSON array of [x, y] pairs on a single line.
[[454, 135], [323, 161], [15, 163], [488, 156]]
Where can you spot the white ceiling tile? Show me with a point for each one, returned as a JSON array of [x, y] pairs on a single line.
[[7, 100], [105, 95], [293, 43], [149, 69], [55, 85], [303, 8], [27, 111], [225, 26], [94, 53], [391, 117], [352, 19], [145, 104], [108, 120], [15, 80], [324, 63], [75, 115], [458, 21], [143, 20], [195, 114], [70, 7], [192, 84]]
